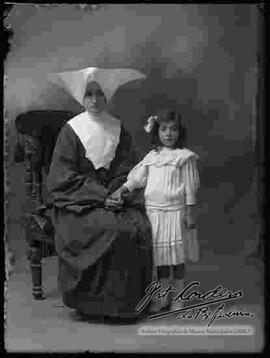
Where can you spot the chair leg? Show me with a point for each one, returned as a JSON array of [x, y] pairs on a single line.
[[35, 257]]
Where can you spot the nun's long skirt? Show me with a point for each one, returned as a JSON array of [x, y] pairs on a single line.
[[116, 283]]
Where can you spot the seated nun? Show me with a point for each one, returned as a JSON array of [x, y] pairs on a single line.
[[103, 245]]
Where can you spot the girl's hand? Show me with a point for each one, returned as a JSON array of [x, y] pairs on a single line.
[[112, 204], [115, 200], [117, 195], [190, 222]]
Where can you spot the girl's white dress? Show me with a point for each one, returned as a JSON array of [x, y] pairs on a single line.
[[171, 180]]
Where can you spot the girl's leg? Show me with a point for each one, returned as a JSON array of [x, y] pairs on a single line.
[[178, 283], [164, 278]]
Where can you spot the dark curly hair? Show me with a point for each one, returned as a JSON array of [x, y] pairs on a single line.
[[164, 116]]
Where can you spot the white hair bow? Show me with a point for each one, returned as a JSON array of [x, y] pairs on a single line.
[[150, 123]]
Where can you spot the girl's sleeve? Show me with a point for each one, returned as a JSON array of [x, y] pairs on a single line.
[[191, 180], [137, 177]]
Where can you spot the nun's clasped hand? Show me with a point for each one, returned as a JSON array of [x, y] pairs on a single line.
[[115, 199], [113, 203]]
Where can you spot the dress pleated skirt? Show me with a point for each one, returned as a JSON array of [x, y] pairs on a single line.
[[168, 231]]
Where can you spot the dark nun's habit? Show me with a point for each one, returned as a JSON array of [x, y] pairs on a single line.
[[105, 257]]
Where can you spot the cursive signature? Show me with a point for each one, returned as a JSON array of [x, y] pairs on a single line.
[[209, 317], [155, 292]]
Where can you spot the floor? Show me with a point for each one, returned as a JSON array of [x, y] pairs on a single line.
[[48, 326]]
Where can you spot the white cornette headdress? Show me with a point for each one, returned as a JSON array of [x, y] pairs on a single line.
[[100, 134], [108, 79]]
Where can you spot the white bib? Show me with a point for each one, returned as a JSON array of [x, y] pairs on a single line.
[[99, 135]]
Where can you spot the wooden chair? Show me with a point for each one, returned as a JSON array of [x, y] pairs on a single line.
[[38, 131]]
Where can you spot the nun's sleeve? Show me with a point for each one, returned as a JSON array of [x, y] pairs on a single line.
[[69, 188], [190, 175]]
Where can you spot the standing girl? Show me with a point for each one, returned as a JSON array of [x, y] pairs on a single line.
[[170, 177]]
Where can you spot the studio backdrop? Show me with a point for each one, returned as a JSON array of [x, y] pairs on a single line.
[[200, 59]]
